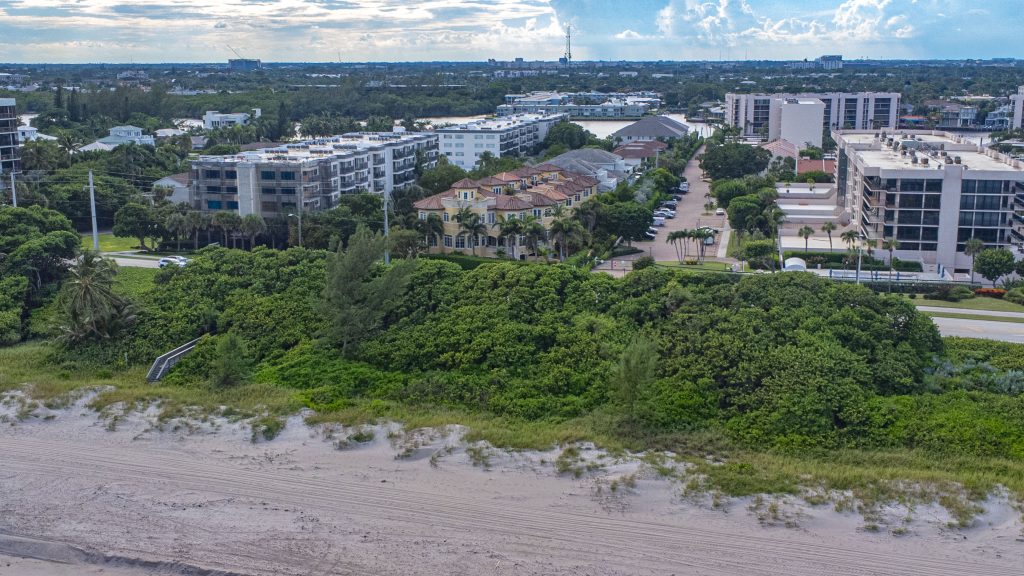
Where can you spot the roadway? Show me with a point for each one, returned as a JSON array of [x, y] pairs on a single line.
[[989, 330], [689, 215]]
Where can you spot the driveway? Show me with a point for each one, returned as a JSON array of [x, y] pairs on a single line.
[[689, 215]]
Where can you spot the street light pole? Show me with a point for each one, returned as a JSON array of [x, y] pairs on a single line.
[[299, 216]]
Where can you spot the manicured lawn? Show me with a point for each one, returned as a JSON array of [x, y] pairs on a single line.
[[110, 243], [975, 317], [976, 303]]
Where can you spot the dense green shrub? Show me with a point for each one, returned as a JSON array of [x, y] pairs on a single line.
[[1016, 295]]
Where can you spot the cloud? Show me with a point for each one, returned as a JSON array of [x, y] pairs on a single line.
[[629, 35]]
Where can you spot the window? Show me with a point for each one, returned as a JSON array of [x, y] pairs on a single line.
[[536, 212], [232, 205], [446, 218], [213, 174], [522, 215], [268, 206], [287, 175], [460, 241], [289, 191], [267, 175], [213, 204], [230, 175], [490, 218], [932, 201], [231, 189], [577, 197], [213, 189], [447, 240], [267, 190], [423, 215]]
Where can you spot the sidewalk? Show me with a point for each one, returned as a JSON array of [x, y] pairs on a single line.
[[970, 312]]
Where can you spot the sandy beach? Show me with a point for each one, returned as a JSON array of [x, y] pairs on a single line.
[[80, 496]]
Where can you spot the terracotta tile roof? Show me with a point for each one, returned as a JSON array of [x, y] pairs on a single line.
[[548, 167], [465, 183], [539, 199], [804, 166], [491, 181], [432, 202], [505, 177], [511, 203]]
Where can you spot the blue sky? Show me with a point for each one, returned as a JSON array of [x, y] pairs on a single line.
[[406, 30]]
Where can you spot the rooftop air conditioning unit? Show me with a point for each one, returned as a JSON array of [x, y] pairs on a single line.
[[956, 160], [924, 161]]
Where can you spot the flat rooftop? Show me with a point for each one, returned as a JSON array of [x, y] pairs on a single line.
[[501, 123], [889, 160], [323, 147]]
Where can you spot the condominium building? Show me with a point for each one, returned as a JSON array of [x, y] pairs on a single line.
[[10, 155], [315, 173], [931, 191], [1018, 108], [534, 192], [463, 144], [580, 105], [213, 119], [759, 114]]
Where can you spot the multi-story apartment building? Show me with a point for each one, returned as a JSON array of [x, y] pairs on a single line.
[[529, 192], [10, 155], [213, 119], [1017, 100], [580, 105], [931, 191], [463, 144], [757, 114], [313, 173]]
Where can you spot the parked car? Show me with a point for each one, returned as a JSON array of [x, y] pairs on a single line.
[[652, 230], [173, 261], [659, 220], [669, 204], [720, 212], [669, 214]]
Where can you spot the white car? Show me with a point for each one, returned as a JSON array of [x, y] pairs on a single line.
[[665, 213], [173, 260], [720, 212]]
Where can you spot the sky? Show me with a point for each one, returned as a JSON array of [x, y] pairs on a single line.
[[146, 31]]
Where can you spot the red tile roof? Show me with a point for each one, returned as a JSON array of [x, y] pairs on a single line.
[[804, 166]]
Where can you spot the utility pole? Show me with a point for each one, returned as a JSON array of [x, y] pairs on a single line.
[[387, 252], [92, 209], [14, 191]]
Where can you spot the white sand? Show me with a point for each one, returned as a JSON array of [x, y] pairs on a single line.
[[138, 501]]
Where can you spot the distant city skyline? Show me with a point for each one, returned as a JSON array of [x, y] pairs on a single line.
[[80, 31]]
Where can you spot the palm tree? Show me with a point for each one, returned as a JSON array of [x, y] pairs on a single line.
[[472, 225], [701, 235], [221, 220], [561, 228], [827, 228], [891, 245], [806, 232], [67, 142], [586, 213], [431, 227], [774, 217], [850, 236], [194, 222], [535, 234], [177, 224], [253, 225], [973, 247], [90, 308], [510, 227], [673, 239]]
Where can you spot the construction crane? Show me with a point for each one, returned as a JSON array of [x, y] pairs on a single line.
[[235, 51], [567, 59]]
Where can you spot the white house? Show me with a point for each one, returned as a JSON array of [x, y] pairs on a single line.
[[178, 183], [121, 135], [214, 119], [26, 133]]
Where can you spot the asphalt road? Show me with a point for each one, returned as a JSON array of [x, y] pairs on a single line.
[[137, 262], [968, 328], [689, 215]]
